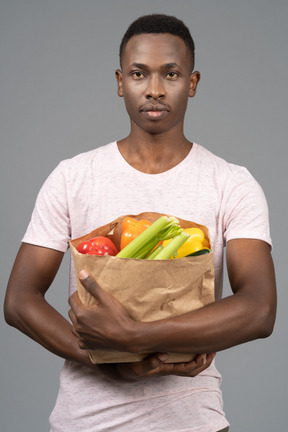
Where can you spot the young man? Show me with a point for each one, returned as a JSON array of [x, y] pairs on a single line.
[[160, 170]]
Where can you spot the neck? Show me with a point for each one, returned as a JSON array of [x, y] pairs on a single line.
[[154, 153]]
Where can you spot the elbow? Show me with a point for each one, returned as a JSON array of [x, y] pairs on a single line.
[[11, 312], [266, 321], [267, 328]]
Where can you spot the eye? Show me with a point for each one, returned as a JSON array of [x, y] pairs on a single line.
[[137, 75], [172, 75]]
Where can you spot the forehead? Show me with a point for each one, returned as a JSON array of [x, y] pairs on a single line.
[[155, 48]]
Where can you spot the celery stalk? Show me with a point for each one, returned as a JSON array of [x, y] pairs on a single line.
[[155, 252], [163, 228], [145, 250], [171, 248]]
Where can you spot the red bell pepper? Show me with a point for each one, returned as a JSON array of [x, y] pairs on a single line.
[[97, 246]]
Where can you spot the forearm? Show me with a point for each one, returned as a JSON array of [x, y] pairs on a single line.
[[37, 319], [246, 315], [218, 326]]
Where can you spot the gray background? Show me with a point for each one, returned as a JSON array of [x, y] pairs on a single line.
[[58, 98]]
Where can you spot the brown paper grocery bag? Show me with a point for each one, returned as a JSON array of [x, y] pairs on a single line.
[[149, 290]]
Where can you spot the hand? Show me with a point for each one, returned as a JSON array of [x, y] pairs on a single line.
[[103, 326], [154, 365]]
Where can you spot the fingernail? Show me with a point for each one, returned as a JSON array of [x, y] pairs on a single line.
[[204, 359], [163, 356], [83, 274]]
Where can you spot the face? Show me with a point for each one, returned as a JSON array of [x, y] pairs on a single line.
[[156, 81]]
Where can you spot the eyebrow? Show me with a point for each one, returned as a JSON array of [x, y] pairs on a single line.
[[165, 66]]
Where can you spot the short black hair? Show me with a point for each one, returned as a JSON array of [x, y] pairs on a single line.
[[159, 23]]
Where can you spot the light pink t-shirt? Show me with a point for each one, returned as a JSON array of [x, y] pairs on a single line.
[[95, 188]]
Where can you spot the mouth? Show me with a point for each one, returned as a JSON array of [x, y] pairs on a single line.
[[154, 112]]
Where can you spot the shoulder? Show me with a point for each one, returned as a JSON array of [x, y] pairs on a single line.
[[83, 164], [74, 173], [218, 164], [88, 158], [224, 175]]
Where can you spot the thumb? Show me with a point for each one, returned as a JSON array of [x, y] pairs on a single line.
[[149, 365], [162, 357], [90, 284], [155, 360]]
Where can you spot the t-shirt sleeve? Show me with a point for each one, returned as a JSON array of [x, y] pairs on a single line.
[[246, 212], [50, 223]]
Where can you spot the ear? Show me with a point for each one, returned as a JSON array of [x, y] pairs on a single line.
[[194, 80], [118, 75]]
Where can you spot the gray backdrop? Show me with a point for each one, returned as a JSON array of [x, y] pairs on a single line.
[[58, 98]]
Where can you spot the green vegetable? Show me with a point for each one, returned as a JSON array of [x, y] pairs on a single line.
[[162, 229], [171, 248], [155, 252], [200, 252]]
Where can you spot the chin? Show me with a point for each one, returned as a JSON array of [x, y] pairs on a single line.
[[155, 128]]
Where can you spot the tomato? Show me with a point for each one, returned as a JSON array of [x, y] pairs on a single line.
[[97, 246]]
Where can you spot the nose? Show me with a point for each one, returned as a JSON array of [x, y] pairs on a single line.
[[155, 88]]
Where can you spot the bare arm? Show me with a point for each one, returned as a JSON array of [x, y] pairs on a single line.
[[25, 306], [26, 309], [249, 313]]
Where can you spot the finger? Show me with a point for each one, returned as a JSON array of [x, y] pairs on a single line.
[[73, 320], [72, 316], [74, 332], [201, 363], [150, 365], [210, 357], [191, 369], [200, 359], [74, 301], [204, 359], [154, 361], [90, 284]]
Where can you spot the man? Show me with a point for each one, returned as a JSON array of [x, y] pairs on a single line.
[[155, 168]]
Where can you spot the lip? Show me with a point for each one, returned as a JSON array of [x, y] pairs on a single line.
[[152, 107], [154, 112]]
